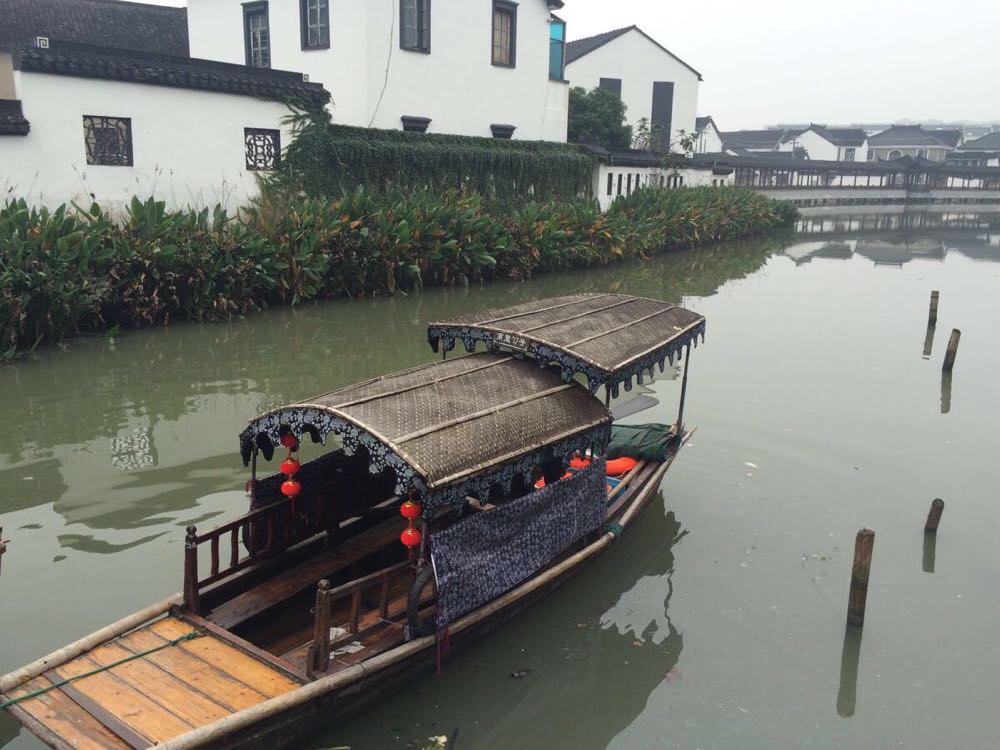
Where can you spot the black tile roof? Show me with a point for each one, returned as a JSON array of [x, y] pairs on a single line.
[[12, 122], [904, 135], [580, 47], [840, 136], [106, 23], [700, 123], [754, 138], [948, 137], [989, 142], [87, 61], [780, 160]]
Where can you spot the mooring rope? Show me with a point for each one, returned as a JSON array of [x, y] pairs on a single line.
[[41, 691]]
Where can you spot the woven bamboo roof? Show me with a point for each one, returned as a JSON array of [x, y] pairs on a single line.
[[609, 338], [446, 423]]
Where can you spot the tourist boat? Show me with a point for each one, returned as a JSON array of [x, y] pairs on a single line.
[[442, 508]]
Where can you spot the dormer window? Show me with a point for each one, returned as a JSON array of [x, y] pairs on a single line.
[[257, 35], [415, 25], [315, 16]]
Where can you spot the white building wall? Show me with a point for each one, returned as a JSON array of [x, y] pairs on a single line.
[[820, 148], [613, 181], [709, 140], [373, 82], [187, 145], [638, 62]]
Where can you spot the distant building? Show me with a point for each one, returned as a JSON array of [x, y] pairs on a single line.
[[908, 140], [829, 144], [984, 152], [709, 139], [652, 81], [753, 141]]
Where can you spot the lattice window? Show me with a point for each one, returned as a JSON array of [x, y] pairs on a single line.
[[108, 140], [263, 149]]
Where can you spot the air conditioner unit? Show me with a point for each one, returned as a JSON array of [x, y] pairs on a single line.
[[42, 42]]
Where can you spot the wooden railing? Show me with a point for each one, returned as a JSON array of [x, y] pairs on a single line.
[[268, 530], [318, 656]]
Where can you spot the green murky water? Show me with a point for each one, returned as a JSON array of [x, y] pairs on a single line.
[[718, 622]]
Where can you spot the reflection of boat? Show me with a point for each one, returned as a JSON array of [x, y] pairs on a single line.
[[324, 610]]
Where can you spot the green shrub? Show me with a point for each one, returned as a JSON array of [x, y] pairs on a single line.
[[69, 271]]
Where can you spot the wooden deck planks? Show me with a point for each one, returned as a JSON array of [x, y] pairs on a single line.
[[65, 719], [197, 673], [229, 659], [144, 716], [172, 693]]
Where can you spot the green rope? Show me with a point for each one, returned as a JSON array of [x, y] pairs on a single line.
[[41, 691], [615, 528]]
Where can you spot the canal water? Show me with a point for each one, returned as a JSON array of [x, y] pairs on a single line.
[[718, 620]]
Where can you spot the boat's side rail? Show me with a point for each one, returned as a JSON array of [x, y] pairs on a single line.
[[266, 531], [318, 659]]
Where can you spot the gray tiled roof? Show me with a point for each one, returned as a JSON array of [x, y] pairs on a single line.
[[841, 136], [700, 123], [904, 135], [754, 138], [948, 137], [106, 23], [88, 61], [580, 47], [989, 142], [12, 120]]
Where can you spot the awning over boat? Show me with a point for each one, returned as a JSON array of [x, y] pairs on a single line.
[[449, 429], [609, 338]]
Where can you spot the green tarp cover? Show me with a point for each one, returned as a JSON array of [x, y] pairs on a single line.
[[644, 442]]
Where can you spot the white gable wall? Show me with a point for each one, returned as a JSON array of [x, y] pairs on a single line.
[[187, 145], [709, 140], [638, 62], [819, 148], [373, 82]]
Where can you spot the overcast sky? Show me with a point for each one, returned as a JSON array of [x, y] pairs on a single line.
[[824, 61]]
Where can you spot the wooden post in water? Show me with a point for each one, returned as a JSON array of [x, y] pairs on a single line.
[[932, 315], [684, 387], [191, 570], [319, 651], [949, 356], [864, 545], [934, 515], [3, 547], [850, 657]]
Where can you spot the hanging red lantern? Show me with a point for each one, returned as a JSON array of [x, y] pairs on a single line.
[[410, 510], [410, 537], [290, 467], [290, 488], [290, 441]]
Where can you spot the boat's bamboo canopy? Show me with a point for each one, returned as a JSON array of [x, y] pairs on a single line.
[[610, 338], [482, 418]]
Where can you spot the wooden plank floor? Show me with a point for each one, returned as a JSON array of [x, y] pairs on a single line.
[[152, 698]]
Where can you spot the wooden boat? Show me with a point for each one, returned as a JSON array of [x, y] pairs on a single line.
[[308, 606]]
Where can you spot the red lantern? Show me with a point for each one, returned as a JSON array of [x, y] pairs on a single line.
[[410, 510], [291, 488], [290, 467], [410, 537], [290, 441]]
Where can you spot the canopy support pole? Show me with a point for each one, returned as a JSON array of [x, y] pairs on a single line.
[[684, 387]]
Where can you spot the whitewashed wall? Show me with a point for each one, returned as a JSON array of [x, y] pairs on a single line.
[[709, 140], [373, 82], [638, 62], [612, 181], [820, 148], [188, 146]]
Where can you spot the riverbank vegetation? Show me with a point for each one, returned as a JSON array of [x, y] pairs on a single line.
[[71, 271]]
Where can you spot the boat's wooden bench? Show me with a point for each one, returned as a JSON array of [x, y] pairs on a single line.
[[289, 583]]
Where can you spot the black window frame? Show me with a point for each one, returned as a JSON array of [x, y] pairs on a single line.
[[273, 133], [611, 85], [257, 7], [127, 158], [423, 44], [304, 26], [510, 8]]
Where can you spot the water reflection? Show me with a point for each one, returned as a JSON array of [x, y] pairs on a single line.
[[850, 658], [930, 551], [123, 434], [945, 391], [929, 340]]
